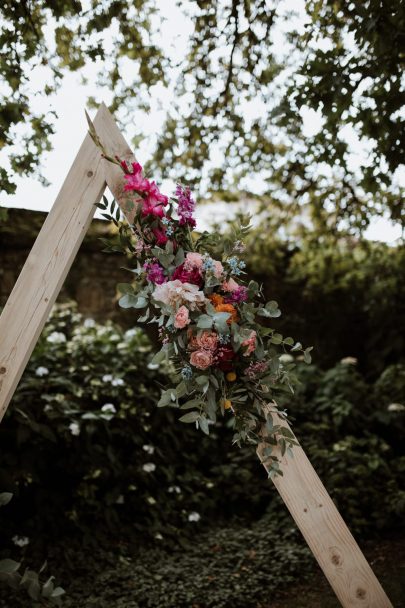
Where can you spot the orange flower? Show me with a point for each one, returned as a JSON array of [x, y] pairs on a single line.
[[216, 299], [228, 308]]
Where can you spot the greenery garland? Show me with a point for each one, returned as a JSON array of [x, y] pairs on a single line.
[[210, 317]]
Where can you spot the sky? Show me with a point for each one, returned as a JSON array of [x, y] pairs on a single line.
[[70, 128]]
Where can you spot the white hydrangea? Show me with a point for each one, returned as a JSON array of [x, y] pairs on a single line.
[[88, 323], [56, 337], [149, 467], [41, 371], [149, 449], [174, 489], [20, 541], [194, 516], [74, 428], [349, 361], [396, 407], [109, 408]]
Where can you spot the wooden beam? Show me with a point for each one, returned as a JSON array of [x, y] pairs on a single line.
[[327, 535], [54, 250]]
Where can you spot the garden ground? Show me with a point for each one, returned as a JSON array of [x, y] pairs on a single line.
[[209, 573]]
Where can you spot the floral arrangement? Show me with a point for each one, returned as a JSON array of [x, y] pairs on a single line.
[[211, 319]]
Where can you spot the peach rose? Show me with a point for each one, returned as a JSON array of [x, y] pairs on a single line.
[[201, 359], [181, 319], [207, 340]]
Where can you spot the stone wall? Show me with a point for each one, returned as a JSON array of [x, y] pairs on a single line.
[[92, 279]]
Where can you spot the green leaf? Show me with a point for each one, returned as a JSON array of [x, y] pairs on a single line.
[[8, 566], [204, 426], [125, 288], [205, 322], [128, 301], [190, 417], [5, 498]]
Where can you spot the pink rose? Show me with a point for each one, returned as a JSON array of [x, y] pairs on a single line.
[[230, 285], [201, 359], [181, 319], [218, 269], [193, 260], [250, 344], [207, 340]]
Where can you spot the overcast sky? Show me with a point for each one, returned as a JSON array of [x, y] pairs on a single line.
[[70, 129]]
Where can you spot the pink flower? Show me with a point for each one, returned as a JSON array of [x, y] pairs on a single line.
[[201, 359], [194, 260], [240, 294], [230, 285], [188, 275], [135, 180], [208, 340], [155, 193], [182, 318], [218, 269], [174, 293], [250, 344], [160, 235], [154, 273], [255, 369]]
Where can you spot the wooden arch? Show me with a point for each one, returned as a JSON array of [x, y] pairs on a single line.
[[28, 308]]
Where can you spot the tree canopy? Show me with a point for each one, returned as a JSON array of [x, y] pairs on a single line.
[[241, 90]]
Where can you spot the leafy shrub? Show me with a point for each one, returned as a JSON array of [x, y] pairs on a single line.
[[84, 445], [83, 440]]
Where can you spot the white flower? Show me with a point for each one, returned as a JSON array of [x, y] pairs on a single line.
[[153, 365], [158, 536], [151, 500], [109, 408], [286, 358], [175, 292], [396, 407], [172, 489], [107, 378], [56, 337], [130, 333], [117, 382], [41, 371], [149, 449], [349, 361], [74, 428], [20, 541], [89, 323], [149, 467], [194, 516]]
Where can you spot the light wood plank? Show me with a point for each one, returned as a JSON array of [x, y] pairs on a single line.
[[47, 265], [327, 535]]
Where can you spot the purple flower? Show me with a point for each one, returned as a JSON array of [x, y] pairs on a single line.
[[186, 205], [240, 294], [154, 273], [256, 369]]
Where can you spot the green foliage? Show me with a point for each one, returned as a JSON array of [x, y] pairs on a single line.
[[246, 94], [45, 593], [345, 296]]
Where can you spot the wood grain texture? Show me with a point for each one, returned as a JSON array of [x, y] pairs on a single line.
[[327, 535], [53, 252]]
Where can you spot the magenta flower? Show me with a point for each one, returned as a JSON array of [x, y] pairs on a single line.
[[154, 273], [160, 235], [188, 275], [135, 180], [186, 205], [240, 294]]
